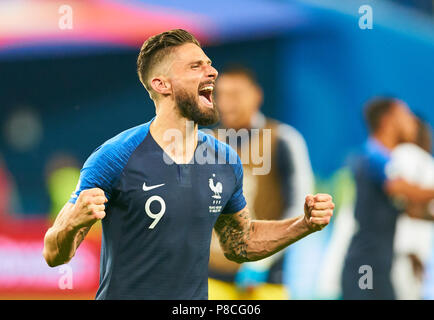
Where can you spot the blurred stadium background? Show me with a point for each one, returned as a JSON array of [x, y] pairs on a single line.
[[65, 91]]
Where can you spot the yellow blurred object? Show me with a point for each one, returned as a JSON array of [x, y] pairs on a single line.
[[220, 290], [61, 183]]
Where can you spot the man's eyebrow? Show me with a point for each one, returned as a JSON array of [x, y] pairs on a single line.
[[201, 62]]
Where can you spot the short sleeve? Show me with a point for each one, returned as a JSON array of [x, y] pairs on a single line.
[[237, 201], [100, 170]]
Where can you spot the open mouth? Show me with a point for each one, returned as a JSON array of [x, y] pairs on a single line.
[[205, 94]]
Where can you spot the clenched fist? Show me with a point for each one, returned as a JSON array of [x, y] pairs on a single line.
[[318, 210], [89, 208]]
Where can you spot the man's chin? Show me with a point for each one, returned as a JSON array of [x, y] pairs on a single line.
[[207, 121]]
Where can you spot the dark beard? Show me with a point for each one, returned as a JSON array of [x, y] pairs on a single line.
[[189, 108]]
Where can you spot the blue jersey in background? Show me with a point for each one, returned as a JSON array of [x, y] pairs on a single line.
[[376, 217]]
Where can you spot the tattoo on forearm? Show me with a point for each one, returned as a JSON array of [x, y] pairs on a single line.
[[234, 232], [80, 236]]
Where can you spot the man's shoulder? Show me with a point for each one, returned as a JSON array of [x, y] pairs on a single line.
[[289, 139], [223, 153], [216, 145], [129, 137], [286, 131], [373, 151]]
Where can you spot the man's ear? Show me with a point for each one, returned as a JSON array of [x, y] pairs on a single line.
[[161, 85]]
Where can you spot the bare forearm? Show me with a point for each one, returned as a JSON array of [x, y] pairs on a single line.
[[217, 259], [243, 239], [59, 245], [419, 195], [62, 239], [426, 195], [261, 238], [419, 211], [269, 237], [413, 193], [71, 226]]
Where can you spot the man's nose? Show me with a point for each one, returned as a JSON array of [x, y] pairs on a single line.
[[212, 72]]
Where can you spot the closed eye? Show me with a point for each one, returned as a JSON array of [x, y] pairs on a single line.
[[199, 63]]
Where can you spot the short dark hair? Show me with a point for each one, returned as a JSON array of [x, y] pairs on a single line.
[[375, 109], [239, 69], [155, 48]]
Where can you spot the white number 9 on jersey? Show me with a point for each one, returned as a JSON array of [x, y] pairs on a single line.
[[155, 216]]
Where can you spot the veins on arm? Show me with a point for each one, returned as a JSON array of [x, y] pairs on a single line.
[[234, 232], [243, 239], [80, 236]]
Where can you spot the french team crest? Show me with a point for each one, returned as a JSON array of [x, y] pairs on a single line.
[[217, 188]]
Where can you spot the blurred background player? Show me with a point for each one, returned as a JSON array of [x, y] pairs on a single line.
[[390, 123], [62, 173], [414, 237], [9, 201], [5, 190], [276, 195]]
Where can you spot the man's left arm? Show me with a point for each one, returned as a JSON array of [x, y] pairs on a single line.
[[412, 192], [420, 211], [243, 239]]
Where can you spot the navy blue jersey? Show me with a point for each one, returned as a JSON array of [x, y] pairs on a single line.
[[376, 217], [159, 217]]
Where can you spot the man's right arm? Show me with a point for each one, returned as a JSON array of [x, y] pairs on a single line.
[[417, 198], [394, 186], [414, 193], [71, 226]]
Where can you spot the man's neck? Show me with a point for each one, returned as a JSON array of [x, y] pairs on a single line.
[[176, 135], [386, 139]]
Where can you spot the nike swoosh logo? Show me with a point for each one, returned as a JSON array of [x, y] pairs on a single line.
[[147, 188]]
